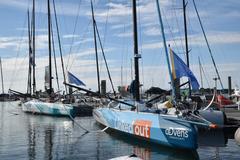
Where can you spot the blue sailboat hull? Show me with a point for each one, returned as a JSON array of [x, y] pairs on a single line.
[[149, 126]]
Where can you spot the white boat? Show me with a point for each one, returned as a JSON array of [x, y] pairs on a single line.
[[129, 157], [46, 108], [237, 136]]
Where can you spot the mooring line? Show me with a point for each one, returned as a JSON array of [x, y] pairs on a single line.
[[81, 126]]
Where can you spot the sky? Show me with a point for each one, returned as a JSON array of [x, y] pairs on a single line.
[[221, 21]]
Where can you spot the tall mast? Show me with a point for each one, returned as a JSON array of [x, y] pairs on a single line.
[[136, 55], [95, 44], [1, 75], [165, 48], [59, 44], [33, 45], [29, 85], [49, 48], [186, 40]]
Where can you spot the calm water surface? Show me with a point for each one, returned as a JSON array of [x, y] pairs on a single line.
[[26, 136]]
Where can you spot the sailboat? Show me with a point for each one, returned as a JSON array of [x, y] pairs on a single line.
[[5, 96], [133, 117], [49, 106]]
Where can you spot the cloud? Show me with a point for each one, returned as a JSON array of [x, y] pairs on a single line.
[[36, 29], [11, 42], [125, 34], [66, 8], [216, 38], [70, 36]]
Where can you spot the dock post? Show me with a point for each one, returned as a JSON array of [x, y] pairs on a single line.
[[229, 86]]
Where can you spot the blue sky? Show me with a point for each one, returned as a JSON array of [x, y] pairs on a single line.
[[114, 19]]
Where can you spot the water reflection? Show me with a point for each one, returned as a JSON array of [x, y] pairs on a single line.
[[31, 142], [2, 107], [143, 153], [26, 136], [48, 142], [147, 150], [44, 133]]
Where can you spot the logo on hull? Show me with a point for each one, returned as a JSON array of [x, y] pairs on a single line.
[[176, 132], [142, 128]]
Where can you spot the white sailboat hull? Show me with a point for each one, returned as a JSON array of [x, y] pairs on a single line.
[[54, 109]]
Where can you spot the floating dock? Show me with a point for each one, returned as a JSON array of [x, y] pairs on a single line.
[[232, 113]]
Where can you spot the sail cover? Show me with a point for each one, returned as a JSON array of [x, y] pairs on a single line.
[[180, 69], [74, 80]]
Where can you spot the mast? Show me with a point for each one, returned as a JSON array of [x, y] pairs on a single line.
[[186, 41], [1, 75], [209, 49], [165, 48], [33, 45], [49, 48], [104, 57], [29, 85], [136, 55], [200, 69], [59, 45], [95, 44]]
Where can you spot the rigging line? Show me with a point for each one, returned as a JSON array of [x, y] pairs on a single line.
[[198, 48], [202, 70], [205, 76], [123, 54], [123, 42], [209, 49], [171, 33], [59, 44], [18, 52], [80, 44], [191, 39], [54, 55], [105, 33], [74, 31], [178, 26], [106, 24], [109, 76]]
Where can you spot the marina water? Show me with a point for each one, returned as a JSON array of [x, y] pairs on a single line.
[[26, 136]]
